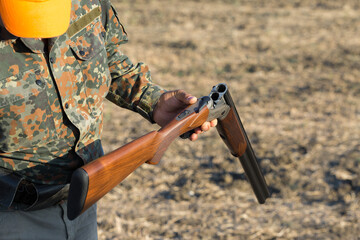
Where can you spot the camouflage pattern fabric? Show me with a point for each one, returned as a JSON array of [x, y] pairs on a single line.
[[52, 93]]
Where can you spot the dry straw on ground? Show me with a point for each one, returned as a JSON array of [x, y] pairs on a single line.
[[293, 68]]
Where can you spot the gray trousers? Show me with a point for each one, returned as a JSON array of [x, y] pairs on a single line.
[[50, 223]]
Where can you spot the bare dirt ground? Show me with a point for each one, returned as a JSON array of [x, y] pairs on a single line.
[[293, 68]]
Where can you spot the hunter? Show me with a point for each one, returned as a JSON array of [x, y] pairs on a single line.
[[60, 59]]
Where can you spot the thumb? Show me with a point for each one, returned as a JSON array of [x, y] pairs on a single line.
[[184, 97]]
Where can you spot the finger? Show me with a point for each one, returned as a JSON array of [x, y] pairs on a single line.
[[193, 137], [213, 123], [198, 130], [205, 127]]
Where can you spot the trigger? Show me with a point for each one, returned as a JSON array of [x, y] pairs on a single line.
[[187, 134]]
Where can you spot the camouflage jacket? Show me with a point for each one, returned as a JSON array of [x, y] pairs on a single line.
[[52, 93]]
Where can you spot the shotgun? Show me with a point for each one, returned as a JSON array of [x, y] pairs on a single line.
[[92, 181]]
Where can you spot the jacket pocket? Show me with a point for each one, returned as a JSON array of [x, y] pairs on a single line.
[[88, 47], [25, 116]]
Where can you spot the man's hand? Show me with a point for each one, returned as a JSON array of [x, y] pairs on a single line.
[[171, 104]]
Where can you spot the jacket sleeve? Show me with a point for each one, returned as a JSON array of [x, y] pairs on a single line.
[[131, 85]]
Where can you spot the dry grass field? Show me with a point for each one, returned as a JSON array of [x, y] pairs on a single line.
[[293, 68]]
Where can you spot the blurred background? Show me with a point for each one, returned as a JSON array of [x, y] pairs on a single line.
[[293, 68]]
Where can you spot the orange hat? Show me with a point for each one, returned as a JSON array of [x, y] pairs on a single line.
[[36, 18]]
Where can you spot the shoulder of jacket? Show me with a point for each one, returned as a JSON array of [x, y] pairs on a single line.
[[86, 11]]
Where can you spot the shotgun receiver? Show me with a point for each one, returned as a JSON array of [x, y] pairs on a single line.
[[92, 181]]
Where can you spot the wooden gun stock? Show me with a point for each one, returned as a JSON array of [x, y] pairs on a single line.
[[92, 181]]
